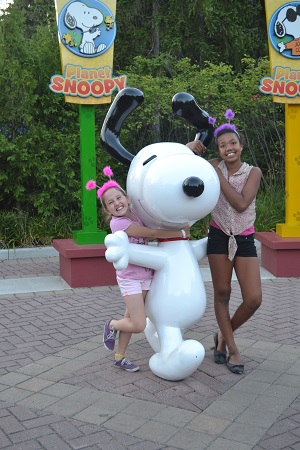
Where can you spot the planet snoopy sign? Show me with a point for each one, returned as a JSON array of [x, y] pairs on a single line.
[[86, 33], [283, 21]]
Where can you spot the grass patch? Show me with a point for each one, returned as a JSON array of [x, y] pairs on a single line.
[[270, 209], [19, 229]]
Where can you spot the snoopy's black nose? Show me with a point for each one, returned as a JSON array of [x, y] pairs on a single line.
[[193, 186]]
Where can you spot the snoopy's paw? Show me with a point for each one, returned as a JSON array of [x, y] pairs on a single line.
[[88, 48], [180, 363], [281, 46], [117, 249], [101, 47]]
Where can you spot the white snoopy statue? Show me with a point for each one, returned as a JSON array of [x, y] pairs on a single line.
[[169, 187]]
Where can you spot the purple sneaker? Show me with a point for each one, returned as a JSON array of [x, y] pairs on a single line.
[[109, 337], [126, 364]]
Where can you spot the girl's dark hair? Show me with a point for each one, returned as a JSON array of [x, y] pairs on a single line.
[[226, 131]]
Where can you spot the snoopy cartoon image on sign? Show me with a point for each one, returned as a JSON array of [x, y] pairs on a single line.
[[169, 187], [288, 24], [79, 15]]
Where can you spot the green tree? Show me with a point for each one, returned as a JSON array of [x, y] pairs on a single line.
[[196, 46], [203, 30], [39, 155], [36, 12]]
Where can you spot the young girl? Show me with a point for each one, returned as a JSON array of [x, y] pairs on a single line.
[[231, 242], [134, 282]]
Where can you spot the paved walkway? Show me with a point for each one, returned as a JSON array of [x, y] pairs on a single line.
[[59, 390]]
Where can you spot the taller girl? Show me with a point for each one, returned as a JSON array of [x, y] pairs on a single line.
[[231, 242]]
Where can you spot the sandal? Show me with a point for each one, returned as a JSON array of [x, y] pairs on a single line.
[[237, 369], [220, 358]]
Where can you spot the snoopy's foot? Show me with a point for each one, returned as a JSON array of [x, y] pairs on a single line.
[[88, 48], [180, 363], [101, 47]]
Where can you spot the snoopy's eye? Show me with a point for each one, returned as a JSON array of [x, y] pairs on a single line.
[[149, 159]]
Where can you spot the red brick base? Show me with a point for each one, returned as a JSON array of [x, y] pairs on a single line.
[[84, 265], [280, 256]]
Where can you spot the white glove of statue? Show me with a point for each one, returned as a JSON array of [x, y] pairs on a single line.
[[117, 249]]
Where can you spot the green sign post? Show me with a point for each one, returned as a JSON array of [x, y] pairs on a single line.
[[89, 233], [86, 33]]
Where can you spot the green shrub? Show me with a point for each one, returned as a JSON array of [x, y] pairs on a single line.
[[270, 209], [20, 229]]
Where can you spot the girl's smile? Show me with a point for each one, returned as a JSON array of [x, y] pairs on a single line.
[[116, 202], [229, 146]]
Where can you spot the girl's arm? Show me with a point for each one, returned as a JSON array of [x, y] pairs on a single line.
[[198, 148], [136, 231], [241, 201]]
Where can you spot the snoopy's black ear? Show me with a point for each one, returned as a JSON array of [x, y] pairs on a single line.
[[279, 29], [124, 103], [185, 106], [70, 21]]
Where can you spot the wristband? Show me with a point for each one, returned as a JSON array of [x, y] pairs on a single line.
[[183, 233]]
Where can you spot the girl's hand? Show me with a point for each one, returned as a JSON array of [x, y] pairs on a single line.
[[197, 147]]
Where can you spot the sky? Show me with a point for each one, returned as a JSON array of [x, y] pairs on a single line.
[[4, 3]]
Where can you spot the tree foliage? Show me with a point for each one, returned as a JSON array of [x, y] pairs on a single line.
[[203, 30], [214, 50], [39, 133]]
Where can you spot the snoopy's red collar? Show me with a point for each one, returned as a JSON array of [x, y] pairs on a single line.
[[172, 239]]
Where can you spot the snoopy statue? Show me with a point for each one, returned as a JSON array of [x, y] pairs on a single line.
[[169, 187]]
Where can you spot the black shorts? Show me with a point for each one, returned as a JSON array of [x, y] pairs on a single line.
[[217, 243]]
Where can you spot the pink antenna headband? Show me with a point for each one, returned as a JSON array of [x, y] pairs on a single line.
[[91, 184]]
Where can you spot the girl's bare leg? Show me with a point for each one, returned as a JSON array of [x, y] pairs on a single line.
[[134, 320], [248, 275], [124, 339], [221, 271]]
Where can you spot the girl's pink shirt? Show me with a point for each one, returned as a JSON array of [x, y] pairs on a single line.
[[132, 272]]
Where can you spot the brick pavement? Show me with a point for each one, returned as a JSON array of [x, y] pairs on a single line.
[[58, 389]]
